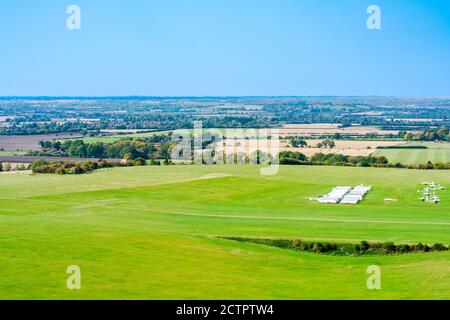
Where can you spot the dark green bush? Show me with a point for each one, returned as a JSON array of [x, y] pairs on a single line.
[[66, 167]]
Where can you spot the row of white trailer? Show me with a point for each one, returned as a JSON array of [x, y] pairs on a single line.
[[345, 195]]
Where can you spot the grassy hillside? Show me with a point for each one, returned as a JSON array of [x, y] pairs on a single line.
[[150, 233]]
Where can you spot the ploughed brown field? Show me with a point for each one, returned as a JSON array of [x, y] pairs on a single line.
[[31, 143]]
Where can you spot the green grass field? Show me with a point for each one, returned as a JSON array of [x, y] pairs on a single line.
[[436, 152], [11, 153], [100, 139], [150, 233]]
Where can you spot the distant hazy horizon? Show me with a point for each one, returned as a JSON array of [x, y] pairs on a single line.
[[225, 97]]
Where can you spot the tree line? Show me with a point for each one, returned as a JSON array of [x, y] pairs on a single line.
[[154, 147], [441, 134], [298, 158], [330, 159], [66, 167], [6, 166]]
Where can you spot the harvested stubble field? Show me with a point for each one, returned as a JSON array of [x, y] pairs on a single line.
[[345, 147]]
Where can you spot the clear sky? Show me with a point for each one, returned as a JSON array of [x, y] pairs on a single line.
[[225, 48]]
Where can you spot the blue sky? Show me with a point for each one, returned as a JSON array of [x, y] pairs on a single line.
[[225, 47]]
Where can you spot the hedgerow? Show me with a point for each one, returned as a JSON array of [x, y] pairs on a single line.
[[349, 249]]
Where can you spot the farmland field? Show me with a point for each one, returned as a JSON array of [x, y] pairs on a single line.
[[105, 139], [31, 142], [436, 152], [330, 128], [347, 147], [11, 153], [116, 137], [287, 130], [151, 233]]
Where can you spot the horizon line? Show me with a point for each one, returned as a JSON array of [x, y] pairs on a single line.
[[213, 96]]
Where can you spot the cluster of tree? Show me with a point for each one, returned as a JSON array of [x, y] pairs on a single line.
[[330, 159], [41, 128], [327, 143], [6, 166], [297, 142], [289, 157], [441, 134], [154, 147], [300, 142], [66, 167], [363, 248], [286, 157]]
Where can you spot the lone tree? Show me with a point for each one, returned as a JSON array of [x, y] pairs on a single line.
[[331, 144], [6, 166]]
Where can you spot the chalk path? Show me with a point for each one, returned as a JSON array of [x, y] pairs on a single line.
[[304, 219]]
